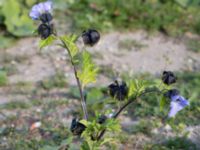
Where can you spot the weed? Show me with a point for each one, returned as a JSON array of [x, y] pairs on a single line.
[[58, 80], [193, 45], [3, 78], [15, 105], [173, 144], [144, 126], [168, 17], [128, 44]]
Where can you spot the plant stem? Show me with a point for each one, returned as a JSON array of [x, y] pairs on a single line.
[[124, 106], [83, 102]]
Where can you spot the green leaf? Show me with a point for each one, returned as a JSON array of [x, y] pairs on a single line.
[[113, 125], [88, 71], [107, 140], [45, 42], [16, 19], [94, 96], [67, 141], [3, 78], [85, 146], [84, 122], [163, 102], [48, 147], [69, 43], [30, 3], [136, 87]]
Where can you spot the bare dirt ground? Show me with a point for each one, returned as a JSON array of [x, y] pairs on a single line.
[[134, 52]]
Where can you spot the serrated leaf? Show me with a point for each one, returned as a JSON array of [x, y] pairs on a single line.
[[85, 146], [107, 140], [113, 125], [45, 42], [163, 103], [136, 87], [84, 122], [69, 43], [88, 71]]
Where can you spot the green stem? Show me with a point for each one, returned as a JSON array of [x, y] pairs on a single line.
[[131, 100], [83, 103]]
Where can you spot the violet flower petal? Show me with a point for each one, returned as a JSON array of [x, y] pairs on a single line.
[[177, 103], [38, 9]]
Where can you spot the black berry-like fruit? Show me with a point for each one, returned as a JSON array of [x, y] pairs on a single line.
[[171, 93], [90, 37], [102, 119], [168, 77], [76, 127], [45, 30], [46, 17], [118, 90]]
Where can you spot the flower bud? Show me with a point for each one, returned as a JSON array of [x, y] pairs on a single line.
[[46, 17], [45, 30], [102, 119], [171, 93], [76, 127], [118, 90], [168, 77], [90, 37]]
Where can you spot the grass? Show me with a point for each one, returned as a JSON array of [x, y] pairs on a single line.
[[177, 143], [193, 45], [168, 17], [10, 68], [35, 140], [15, 105], [3, 78], [147, 112], [158, 15], [58, 80], [6, 41], [144, 126], [129, 44]]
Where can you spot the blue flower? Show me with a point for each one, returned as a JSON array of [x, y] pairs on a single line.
[[177, 103], [42, 11]]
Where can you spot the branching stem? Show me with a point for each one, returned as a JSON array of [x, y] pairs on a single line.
[[131, 100]]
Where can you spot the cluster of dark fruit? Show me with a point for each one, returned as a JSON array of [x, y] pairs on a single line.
[[45, 29], [119, 91]]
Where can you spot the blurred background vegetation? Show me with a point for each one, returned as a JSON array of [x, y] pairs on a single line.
[[170, 17]]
